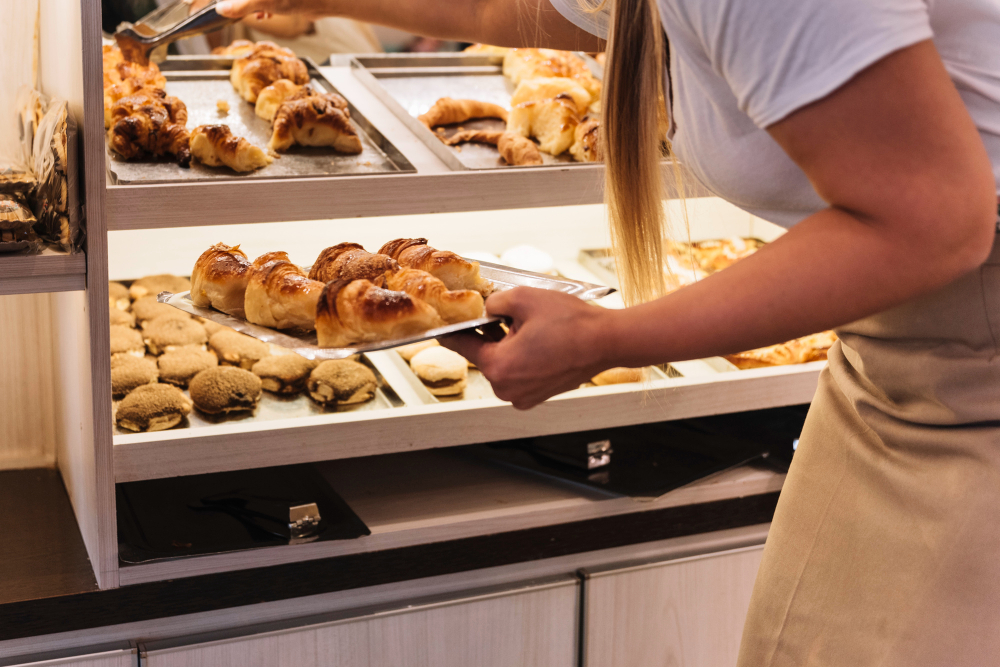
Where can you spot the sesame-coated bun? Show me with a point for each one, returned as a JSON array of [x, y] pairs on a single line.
[[153, 407], [163, 282], [284, 373], [236, 349], [118, 297], [164, 334], [121, 318], [443, 372], [225, 389], [180, 365], [129, 372], [126, 340], [342, 382], [148, 308]]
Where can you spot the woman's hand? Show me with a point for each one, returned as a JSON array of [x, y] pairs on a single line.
[[556, 343]]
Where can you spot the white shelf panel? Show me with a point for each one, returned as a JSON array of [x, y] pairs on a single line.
[[49, 271]]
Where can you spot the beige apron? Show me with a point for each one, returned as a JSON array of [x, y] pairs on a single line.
[[885, 546]]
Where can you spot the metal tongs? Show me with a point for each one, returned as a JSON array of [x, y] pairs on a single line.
[[163, 26]]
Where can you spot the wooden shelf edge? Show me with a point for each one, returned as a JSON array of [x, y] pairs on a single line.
[[49, 271]]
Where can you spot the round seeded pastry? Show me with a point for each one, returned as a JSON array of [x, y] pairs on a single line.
[[225, 389], [443, 372], [148, 308], [165, 333], [284, 373], [342, 382], [118, 297], [236, 349], [163, 282], [153, 407], [121, 317], [619, 376], [407, 351], [180, 365], [126, 340], [128, 372]]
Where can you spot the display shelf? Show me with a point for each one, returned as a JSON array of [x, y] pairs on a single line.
[[49, 271], [426, 497]]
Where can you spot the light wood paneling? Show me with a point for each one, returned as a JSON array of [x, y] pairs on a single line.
[[49, 271], [125, 658], [686, 613]]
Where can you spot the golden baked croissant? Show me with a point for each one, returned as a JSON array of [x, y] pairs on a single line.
[[487, 50], [540, 90], [358, 311], [219, 279], [452, 305], [553, 122], [263, 65], [447, 111], [585, 146], [116, 70], [237, 48], [317, 120], [514, 148], [798, 351], [271, 97], [457, 273], [279, 294], [150, 122], [350, 261], [117, 91], [216, 145], [521, 64]]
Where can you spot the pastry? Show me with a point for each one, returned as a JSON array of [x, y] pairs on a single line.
[[150, 122], [262, 65], [273, 96], [126, 340], [118, 296], [225, 389], [407, 351], [359, 312], [117, 91], [284, 373], [529, 258], [447, 111], [521, 64], [443, 372], [163, 282], [585, 146], [514, 149], [216, 146], [219, 279], [486, 50], [236, 349], [317, 120], [148, 308], [341, 382], [540, 90], [280, 295], [798, 351], [153, 407], [454, 271], [117, 69], [350, 261], [553, 122], [164, 334], [452, 305], [178, 366], [237, 48], [129, 372], [619, 376], [121, 317]]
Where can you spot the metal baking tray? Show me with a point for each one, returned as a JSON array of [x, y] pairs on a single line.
[[276, 406], [304, 342], [201, 81], [410, 84]]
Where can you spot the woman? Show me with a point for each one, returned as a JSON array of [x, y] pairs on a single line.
[[880, 149]]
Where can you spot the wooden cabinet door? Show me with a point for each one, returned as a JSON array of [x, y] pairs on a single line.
[[683, 613], [535, 626]]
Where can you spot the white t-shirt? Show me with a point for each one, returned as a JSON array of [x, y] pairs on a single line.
[[738, 66]]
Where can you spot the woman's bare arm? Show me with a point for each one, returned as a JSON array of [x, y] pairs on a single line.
[[499, 22], [912, 207]]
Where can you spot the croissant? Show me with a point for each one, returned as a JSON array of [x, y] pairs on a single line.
[[486, 50], [219, 279], [514, 148], [350, 261], [237, 48], [452, 305], [271, 97], [216, 145], [150, 122], [521, 64], [357, 311], [798, 351], [553, 122], [117, 70], [585, 146], [263, 65], [318, 120], [540, 90], [447, 111], [117, 91], [279, 294], [457, 273]]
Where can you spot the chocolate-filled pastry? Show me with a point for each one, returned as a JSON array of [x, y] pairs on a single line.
[[359, 312], [455, 272], [121, 317], [264, 64], [148, 308], [452, 305], [153, 407], [150, 122], [236, 349], [447, 111], [126, 340], [165, 334], [514, 149], [129, 372], [118, 296], [178, 366], [443, 372], [280, 295], [350, 261], [219, 279], [585, 146], [276, 94], [317, 120], [284, 373], [225, 389], [342, 382], [216, 146], [153, 285]]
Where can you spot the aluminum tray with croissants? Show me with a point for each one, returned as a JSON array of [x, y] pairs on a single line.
[[351, 300]]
